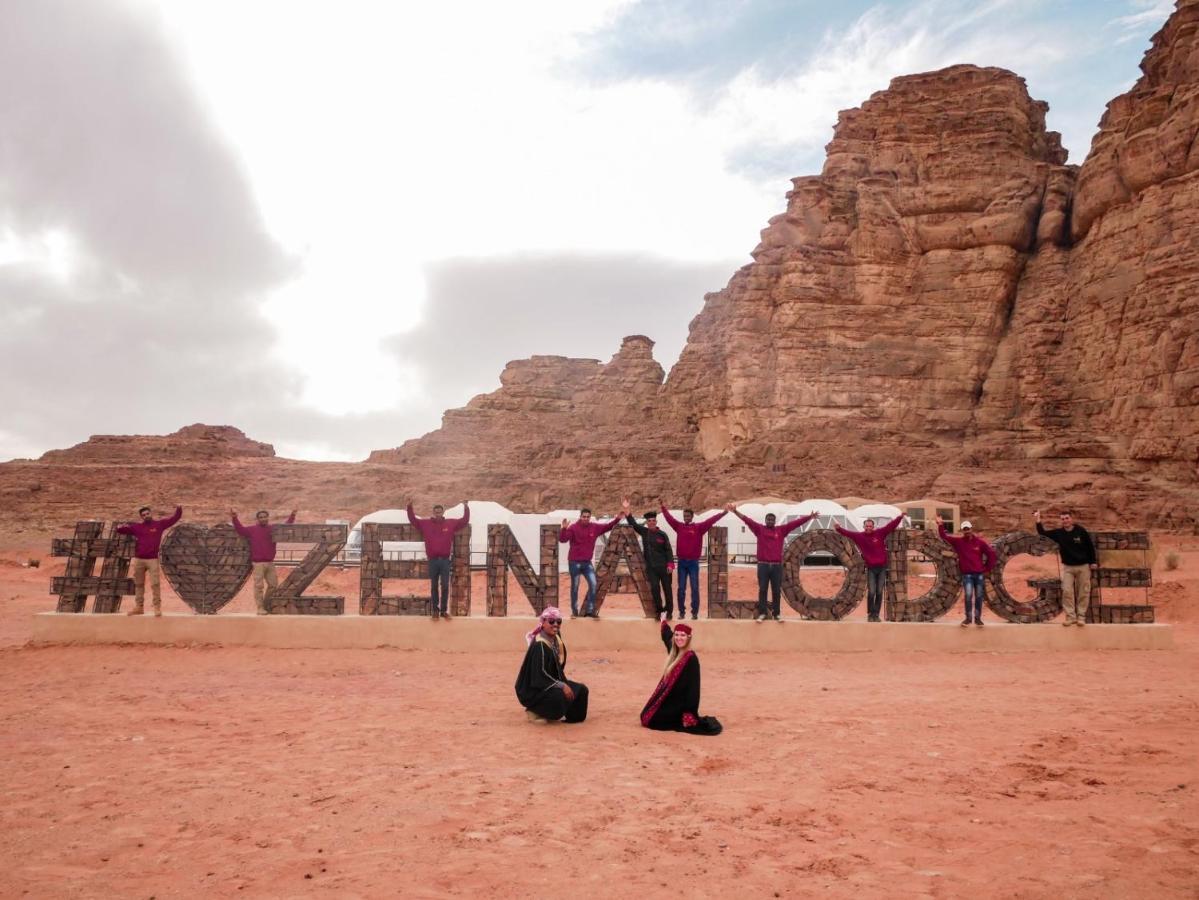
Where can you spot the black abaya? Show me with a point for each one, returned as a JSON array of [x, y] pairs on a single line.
[[539, 685]]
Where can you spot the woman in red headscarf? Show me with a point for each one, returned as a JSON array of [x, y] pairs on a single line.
[[674, 704]]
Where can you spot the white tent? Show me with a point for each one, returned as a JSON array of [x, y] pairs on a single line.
[[880, 513]]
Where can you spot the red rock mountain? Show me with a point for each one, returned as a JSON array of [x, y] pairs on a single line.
[[946, 309]]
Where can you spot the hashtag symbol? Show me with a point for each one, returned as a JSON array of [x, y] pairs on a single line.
[[78, 581]]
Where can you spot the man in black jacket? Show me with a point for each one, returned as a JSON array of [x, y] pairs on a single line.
[[659, 560], [1078, 559]]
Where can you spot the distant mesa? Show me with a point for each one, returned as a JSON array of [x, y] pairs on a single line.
[[192, 442]]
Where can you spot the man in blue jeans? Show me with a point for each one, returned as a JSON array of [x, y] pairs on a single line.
[[689, 535], [975, 559], [582, 536]]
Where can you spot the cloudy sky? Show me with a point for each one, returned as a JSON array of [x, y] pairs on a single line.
[[325, 223]]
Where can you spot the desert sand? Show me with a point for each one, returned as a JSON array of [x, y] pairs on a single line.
[[176, 771]]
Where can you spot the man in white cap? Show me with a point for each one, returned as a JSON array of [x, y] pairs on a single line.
[[975, 559]]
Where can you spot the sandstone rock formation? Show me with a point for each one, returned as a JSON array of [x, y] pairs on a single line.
[[948, 309]]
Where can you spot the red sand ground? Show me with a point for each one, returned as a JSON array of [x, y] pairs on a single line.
[[175, 771]]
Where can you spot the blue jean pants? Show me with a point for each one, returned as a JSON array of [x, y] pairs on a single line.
[[688, 570], [587, 571], [974, 587], [439, 582]]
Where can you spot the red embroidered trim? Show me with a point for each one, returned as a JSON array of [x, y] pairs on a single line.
[[689, 721], [665, 686]]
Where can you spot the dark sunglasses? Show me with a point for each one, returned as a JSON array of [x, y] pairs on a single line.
[[552, 621]]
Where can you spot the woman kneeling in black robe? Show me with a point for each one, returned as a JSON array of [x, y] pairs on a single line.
[[674, 704], [541, 686]]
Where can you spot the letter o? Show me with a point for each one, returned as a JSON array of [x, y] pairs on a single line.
[[852, 590]]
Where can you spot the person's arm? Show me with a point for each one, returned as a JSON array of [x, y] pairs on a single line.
[[640, 529], [291, 520], [707, 523], [845, 531], [669, 553], [946, 536], [238, 526], [413, 518], [791, 526], [1043, 531], [1092, 557], [674, 523], [890, 526], [753, 526], [604, 529], [127, 528], [665, 631], [465, 520], [992, 557], [564, 533], [172, 519]]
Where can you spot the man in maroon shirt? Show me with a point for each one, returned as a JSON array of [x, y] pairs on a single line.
[[262, 553], [438, 533], [872, 542], [582, 536], [690, 545], [975, 559], [149, 532], [770, 558]]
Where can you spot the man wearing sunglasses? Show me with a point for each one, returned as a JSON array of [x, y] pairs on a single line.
[[541, 685]]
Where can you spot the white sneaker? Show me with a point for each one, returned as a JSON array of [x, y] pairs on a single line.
[[760, 617]]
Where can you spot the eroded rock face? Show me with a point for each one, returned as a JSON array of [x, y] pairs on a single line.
[[948, 309]]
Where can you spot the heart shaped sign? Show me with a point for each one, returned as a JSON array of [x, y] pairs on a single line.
[[206, 566]]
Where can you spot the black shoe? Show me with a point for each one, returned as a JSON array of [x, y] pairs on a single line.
[[573, 614], [965, 622], [669, 617], [694, 617], [776, 617], [434, 615], [978, 622]]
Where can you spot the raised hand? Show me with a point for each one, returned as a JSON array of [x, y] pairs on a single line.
[[565, 523], [730, 507], [232, 512], [940, 521], [1036, 515], [625, 505]]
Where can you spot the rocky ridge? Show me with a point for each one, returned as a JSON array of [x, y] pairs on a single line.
[[947, 309]]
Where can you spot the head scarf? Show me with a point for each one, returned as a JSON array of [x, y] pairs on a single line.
[[550, 612], [686, 629]]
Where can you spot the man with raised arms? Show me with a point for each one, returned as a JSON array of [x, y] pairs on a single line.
[[872, 542], [262, 553], [689, 540], [582, 536], [975, 559], [148, 532], [438, 533], [770, 558], [659, 560]]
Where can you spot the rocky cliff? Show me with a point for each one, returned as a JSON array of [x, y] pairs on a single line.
[[946, 309]]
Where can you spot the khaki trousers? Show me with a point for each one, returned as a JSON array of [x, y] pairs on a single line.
[[1076, 592], [264, 572], [140, 568]]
